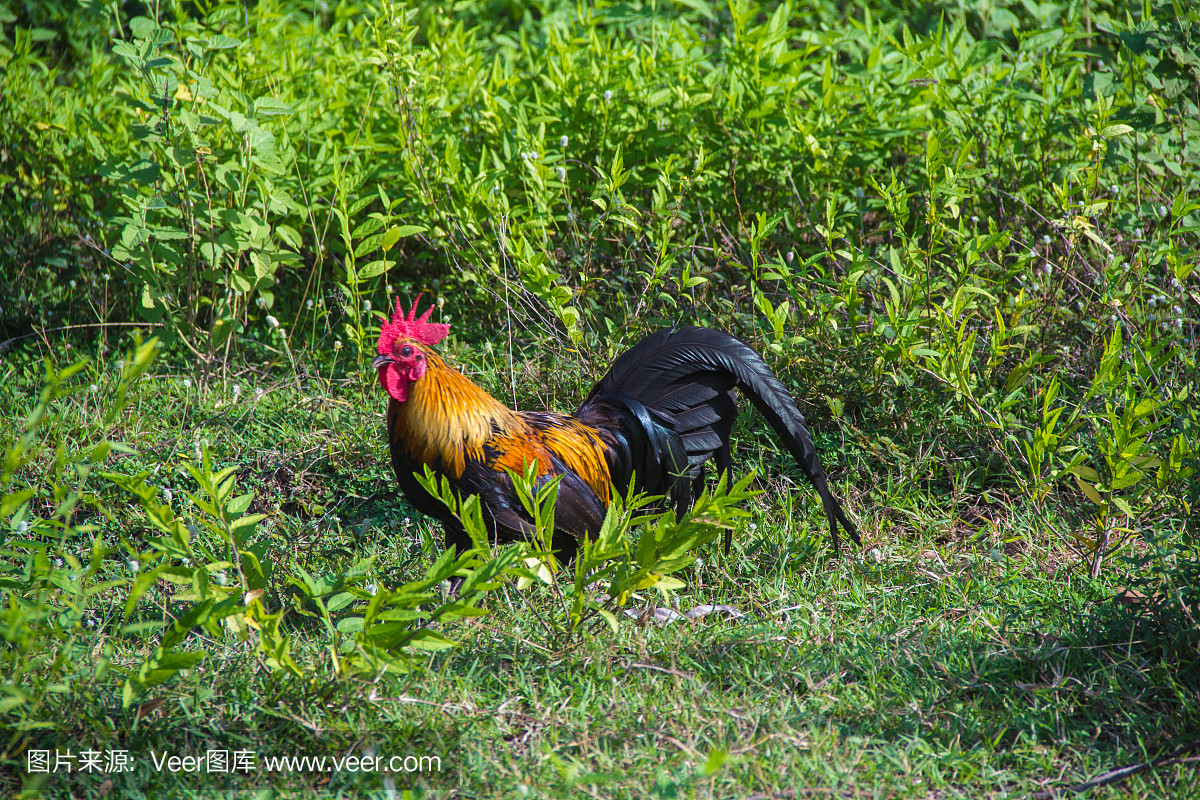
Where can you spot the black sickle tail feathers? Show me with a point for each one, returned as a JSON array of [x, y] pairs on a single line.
[[686, 375], [643, 445]]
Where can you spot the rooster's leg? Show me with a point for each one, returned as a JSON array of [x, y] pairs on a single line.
[[725, 471]]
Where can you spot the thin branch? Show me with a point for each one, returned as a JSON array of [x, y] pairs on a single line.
[[1178, 756]]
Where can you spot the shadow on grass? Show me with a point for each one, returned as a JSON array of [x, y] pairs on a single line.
[[1121, 682]]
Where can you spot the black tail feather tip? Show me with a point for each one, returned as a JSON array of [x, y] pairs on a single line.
[[839, 517]]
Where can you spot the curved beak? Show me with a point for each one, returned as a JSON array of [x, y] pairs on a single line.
[[381, 361]]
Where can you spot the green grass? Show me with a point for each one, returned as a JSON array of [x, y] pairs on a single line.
[[959, 654], [966, 236]]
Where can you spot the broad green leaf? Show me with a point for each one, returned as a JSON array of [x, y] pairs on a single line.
[[1119, 129], [375, 269], [1089, 491]]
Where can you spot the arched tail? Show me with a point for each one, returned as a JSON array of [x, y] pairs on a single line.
[[684, 377]]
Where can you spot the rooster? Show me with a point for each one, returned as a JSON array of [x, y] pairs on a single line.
[[663, 410]]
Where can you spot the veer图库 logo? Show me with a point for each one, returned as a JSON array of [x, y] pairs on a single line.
[[282, 758]]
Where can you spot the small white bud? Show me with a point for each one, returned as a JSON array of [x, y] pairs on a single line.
[[562, 142], [607, 95], [272, 322]]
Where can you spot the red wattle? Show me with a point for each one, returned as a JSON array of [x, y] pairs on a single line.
[[395, 383]]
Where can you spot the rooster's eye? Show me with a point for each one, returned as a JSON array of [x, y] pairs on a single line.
[[406, 351]]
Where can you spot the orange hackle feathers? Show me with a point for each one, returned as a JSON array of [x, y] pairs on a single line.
[[448, 422], [412, 327], [447, 419]]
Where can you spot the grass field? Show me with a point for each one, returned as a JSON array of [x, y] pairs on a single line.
[[964, 235]]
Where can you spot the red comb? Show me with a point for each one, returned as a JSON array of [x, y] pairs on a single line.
[[410, 327]]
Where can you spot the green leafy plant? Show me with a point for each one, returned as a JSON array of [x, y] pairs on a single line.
[[51, 557], [384, 629], [1122, 481], [611, 569], [200, 200], [666, 544], [196, 560]]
